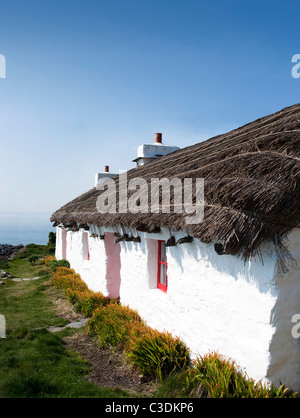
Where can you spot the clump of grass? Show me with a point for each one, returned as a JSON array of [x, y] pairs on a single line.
[[113, 323], [216, 376], [157, 354], [62, 271], [69, 281], [223, 379], [86, 302]]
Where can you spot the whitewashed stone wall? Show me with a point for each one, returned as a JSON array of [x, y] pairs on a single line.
[[92, 271], [214, 303], [285, 349]]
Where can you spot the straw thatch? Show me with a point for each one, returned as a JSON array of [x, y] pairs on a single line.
[[252, 184]]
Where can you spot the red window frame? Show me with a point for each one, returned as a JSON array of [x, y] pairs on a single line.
[[160, 285]]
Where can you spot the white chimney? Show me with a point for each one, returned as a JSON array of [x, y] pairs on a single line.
[[101, 177], [149, 152]]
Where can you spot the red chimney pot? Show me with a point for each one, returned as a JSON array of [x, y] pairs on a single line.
[[158, 138], [106, 169]]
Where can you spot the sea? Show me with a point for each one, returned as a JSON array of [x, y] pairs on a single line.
[[25, 228]]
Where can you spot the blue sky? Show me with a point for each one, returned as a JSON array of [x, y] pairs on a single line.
[[89, 81]]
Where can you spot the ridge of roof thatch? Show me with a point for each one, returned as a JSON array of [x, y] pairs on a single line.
[[252, 185]]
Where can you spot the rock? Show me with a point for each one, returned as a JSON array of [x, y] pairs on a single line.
[[4, 275], [54, 329], [78, 324], [1, 283], [6, 250]]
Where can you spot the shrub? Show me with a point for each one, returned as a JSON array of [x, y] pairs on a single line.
[[49, 258], [33, 259], [51, 242], [157, 354], [112, 324], [86, 302], [53, 264], [51, 238]]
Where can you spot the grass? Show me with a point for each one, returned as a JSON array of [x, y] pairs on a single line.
[[35, 363], [216, 376], [157, 354], [21, 267]]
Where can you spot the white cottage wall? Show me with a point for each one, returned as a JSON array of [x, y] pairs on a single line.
[[92, 271], [213, 302], [58, 244], [285, 348]]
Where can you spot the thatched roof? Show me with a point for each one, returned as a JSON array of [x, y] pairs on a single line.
[[252, 184]]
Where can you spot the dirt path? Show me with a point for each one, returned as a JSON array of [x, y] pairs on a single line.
[[109, 367]]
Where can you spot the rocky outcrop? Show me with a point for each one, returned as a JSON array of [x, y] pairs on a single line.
[[6, 250]]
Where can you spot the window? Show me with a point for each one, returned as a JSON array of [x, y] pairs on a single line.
[[85, 246], [162, 279]]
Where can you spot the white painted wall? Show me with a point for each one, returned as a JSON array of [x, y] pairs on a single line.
[[213, 302], [92, 271], [285, 349]]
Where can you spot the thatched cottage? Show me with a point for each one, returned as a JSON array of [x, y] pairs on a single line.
[[228, 283]]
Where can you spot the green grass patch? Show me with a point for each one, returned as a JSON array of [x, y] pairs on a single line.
[[20, 265], [35, 363]]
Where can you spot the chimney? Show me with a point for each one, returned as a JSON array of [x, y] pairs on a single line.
[[149, 152], [158, 138], [101, 177]]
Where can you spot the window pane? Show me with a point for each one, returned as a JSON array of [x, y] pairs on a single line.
[[163, 274], [163, 256], [162, 277], [85, 245]]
